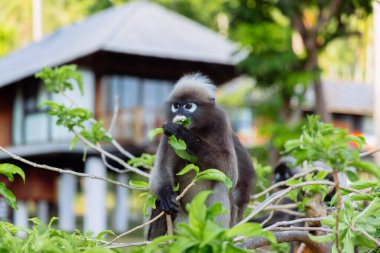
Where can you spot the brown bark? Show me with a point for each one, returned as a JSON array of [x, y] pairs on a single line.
[[292, 236]]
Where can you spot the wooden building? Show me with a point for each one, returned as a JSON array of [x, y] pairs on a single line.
[[135, 51]]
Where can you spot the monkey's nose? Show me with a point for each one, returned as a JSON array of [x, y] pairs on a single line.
[[179, 118]]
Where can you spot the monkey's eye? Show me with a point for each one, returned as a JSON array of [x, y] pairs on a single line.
[[175, 107], [191, 107]]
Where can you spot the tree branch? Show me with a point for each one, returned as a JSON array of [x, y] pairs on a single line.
[[187, 188], [281, 237], [279, 195], [283, 183], [113, 157], [62, 171]]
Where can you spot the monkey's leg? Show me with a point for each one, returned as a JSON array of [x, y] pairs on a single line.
[[221, 194]]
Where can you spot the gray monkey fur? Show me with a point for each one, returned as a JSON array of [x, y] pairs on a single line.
[[210, 138]]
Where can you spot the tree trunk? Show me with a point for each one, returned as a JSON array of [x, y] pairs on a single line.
[[312, 64]]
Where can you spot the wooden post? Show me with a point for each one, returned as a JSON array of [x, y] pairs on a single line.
[[67, 188], [121, 213], [95, 217]]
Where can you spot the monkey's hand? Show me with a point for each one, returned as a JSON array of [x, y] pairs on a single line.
[[180, 132], [167, 200]]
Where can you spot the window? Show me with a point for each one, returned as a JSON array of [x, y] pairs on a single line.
[[126, 88], [36, 121]]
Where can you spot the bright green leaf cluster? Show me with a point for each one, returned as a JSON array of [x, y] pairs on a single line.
[[145, 160], [354, 223], [306, 192], [322, 142], [42, 238], [60, 79], [203, 234], [68, 117]]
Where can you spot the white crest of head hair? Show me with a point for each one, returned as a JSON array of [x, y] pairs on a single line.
[[195, 81]]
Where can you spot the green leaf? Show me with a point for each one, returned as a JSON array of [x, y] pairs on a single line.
[[103, 233], [37, 222], [352, 176], [9, 170], [216, 175], [368, 167], [230, 248], [322, 238], [188, 168], [73, 142], [52, 220], [363, 184], [138, 184], [154, 132], [8, 195], [185, 155], [177, 144], [197, 211], [211, 230], [176, 188], [245, 229]]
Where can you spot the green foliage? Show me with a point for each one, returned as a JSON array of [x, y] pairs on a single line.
[[75, 119], [322, 142], [203, 234], [154, 132], [145, 160], [45, 239], [209, 174], [60, 79], [9, 170], [354, 226]]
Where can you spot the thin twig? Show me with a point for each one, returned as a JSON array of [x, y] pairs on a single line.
[[283, 183], [115, 114], [114, 142], [328, 230], [368, 153], [187, 188], [169, 224], [271, 214], [126, 245], [62, 171], [301, 248], [281, 194], [286, 223], [291, 212], [363, 232], [338, 207], [113, 157]]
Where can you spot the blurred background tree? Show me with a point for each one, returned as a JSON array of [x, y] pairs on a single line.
[[289, 44]]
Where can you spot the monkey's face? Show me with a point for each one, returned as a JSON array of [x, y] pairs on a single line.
[[192, 109]]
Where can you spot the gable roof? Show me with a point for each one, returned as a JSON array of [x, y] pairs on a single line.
[[347, 97], [140, 28]]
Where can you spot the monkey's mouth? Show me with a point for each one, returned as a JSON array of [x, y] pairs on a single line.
[[179, 118]]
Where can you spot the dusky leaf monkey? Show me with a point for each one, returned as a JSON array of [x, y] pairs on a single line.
[[211, 140]]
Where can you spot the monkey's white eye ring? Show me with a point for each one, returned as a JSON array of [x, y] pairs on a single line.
[[191, 107], [175, 107]]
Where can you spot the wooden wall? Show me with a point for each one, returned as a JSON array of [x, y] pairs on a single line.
[[6, 104]]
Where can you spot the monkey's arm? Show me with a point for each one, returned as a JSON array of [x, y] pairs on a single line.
[[162, 178], [220, 156]]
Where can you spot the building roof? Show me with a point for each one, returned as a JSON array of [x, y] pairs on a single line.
[[345, 97], [139, 28]]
